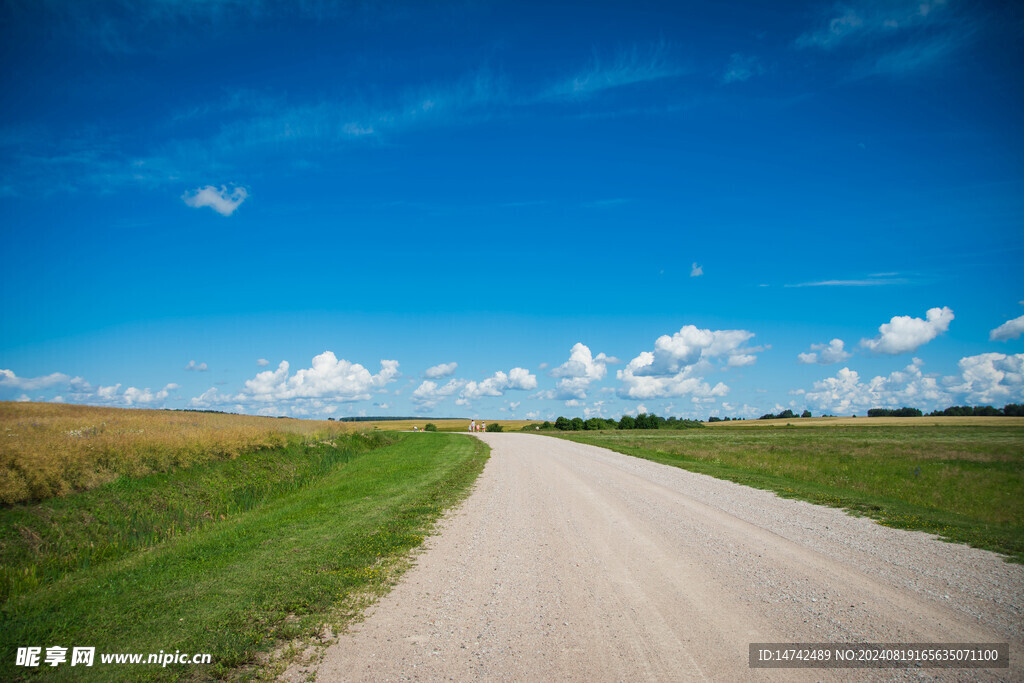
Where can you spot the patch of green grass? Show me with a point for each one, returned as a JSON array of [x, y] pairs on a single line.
[[235, 588], [963, 483], [41, 542]]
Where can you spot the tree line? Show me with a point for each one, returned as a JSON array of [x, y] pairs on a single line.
[[641, 421], [1009, 410]]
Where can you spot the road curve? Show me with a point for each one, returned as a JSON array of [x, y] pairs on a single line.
[[572, 562]]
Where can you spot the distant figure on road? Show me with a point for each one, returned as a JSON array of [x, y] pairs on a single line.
[[472, 425], [483, 426]]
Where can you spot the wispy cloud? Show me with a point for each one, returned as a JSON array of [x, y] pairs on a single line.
[[742, 68], [867, 282], [628, 67], [894, 39]]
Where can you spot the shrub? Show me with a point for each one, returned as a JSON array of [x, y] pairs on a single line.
[[494, 427], [430, 427]]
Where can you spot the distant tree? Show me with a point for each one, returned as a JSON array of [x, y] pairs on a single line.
[[806, 413], [546, 425], [430, 427], [627, 422], [563, 424], [714, 419], [898, 412], [577, 424], [330, 419], [1013, 410], [987, 411], [594, 423]]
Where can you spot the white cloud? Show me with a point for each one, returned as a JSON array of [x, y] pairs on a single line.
[[497, 384], [23, 399], [200, 367], [429, 393], [133, 396], [208, 398], [441, 371], [675, 366], [1011, 329], [904, 334], [695, 270], [742, 68], [995, 378], [579, 371], [825, 354], [262, 362], [845, 393], [9, 379], [329, 377], [221, 201]]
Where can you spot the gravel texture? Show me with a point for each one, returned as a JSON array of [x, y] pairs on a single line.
[[573, 562]]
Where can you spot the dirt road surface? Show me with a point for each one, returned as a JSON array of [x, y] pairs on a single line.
[[570, 562]]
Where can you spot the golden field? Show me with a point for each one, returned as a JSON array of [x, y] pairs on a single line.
[[51, 449]]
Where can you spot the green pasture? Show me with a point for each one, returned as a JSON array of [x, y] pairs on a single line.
[[964, 483]]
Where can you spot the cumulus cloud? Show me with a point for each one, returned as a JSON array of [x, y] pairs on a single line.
[[846, 393], [497, 384], [429, 393], [222, 201], [675, 366], [579, 371], [441, 371], [329, 377], [825, 354], [904, 334], [695, 270], [199, 367], [208, 398], [262, 362], [994, 378], [1008, 330], [11, 380]]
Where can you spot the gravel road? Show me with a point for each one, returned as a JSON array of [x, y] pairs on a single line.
[[572, 562]]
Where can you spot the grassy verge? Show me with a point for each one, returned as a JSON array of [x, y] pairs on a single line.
[[41, 542], [963, 483], [235, 588]]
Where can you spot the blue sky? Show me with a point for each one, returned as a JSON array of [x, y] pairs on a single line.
[[512, 209]]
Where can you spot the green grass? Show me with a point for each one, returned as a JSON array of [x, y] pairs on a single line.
[[963, 483], [306, 555]]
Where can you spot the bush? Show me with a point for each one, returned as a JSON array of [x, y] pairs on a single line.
[[494, 427], [431, 427]]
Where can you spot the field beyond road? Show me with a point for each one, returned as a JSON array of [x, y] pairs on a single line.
[[572, 562], [962, 480]]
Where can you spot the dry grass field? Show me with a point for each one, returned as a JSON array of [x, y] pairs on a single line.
[[49, 449]]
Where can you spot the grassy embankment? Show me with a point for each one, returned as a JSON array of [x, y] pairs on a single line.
[[962, 481], [228, 556]]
